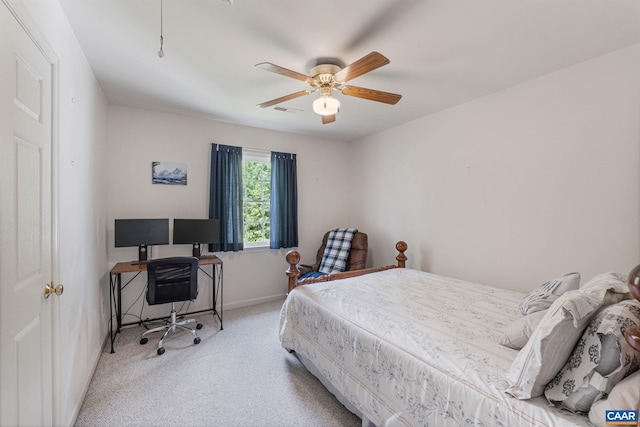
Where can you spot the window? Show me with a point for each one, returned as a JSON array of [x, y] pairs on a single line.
[[254, 195], [256, 191]]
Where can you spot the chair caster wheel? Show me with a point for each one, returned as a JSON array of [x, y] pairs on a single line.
[[199, 326], [196, 340], [160, 351], [144, 340]]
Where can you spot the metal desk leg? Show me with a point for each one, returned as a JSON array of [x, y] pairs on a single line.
[[217, 287], [115, 300], [111, 285], [119, 305]]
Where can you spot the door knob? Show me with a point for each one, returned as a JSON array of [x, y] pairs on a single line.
[[50, 289]]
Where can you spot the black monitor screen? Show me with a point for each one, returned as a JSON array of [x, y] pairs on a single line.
[[195, 231], [140, 232]]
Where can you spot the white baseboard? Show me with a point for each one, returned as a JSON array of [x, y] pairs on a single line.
[[94, 364], [254, 301], [227, 306]]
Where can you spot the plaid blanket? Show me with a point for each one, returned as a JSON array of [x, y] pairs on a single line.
[[336, 253]]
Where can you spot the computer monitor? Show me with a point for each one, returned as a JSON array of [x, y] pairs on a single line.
[[141, 233], [196, 232]]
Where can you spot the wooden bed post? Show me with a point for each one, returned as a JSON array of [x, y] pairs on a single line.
[[401, 258], [293, 258], [632, 334]]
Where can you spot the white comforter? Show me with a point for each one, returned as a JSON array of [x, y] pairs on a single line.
[[411, 348]]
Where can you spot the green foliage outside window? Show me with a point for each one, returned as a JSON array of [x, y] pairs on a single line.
[[257, 193]]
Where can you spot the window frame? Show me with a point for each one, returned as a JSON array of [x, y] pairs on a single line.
[[255, 156]]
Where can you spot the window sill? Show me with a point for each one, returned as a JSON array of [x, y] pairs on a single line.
[[253, 250], [264, 248]]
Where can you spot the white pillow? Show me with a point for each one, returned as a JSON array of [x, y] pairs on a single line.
[[600, 360], [601, 283], [517, 333], [555, 337], [625, 395], [544, 295]]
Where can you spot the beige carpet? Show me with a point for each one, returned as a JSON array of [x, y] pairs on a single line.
[[240, 376]]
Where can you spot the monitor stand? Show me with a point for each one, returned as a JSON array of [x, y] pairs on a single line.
[[143, 255], [197, 250]]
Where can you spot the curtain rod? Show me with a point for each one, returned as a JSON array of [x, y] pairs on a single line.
[[259, 150]]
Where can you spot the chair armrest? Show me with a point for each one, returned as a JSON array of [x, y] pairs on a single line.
[[305, 268]]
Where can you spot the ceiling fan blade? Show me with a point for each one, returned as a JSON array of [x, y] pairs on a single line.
[[284, 98], [284, 71], [328, 119], [363, 65], [372, 95]]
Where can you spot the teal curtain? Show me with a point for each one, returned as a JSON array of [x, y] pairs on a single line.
[[225, 196], [284, 201]]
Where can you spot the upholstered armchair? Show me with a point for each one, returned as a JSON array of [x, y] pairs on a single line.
[[357, 255]]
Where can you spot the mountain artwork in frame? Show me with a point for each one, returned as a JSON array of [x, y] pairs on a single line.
[[169, 173]]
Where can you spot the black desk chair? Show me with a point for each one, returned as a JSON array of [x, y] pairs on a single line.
[[172, 280]]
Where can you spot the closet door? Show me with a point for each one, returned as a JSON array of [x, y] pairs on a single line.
[[25, 228]]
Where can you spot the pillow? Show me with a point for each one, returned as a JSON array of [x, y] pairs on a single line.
[[603, 283], [553, 340], [517, 333], [601, 359], [625, 395], [544, 295]]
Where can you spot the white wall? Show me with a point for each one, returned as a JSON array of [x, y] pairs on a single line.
[[516, 187], [138, 137], [82, 313]]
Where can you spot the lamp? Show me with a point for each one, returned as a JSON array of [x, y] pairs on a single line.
[[633, 333], [326, 105]]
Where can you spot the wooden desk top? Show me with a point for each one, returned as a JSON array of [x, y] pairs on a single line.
[[130, 267]]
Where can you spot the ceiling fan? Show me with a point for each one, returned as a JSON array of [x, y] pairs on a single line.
[[329, 76]]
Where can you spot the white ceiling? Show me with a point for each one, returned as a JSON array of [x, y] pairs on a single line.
[[442, 52]]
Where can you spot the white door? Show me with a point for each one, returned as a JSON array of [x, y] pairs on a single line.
[[25, 228]]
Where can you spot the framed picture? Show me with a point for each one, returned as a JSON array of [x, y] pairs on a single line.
[[169, 173]]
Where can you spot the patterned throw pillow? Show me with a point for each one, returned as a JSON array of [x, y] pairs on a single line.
[[600, 360], [336, 252], [554, 339], [544, 295]]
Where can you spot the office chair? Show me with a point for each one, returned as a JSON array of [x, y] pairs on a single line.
[[172, 280]]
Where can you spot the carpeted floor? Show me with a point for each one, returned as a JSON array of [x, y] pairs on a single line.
[[239, 376]]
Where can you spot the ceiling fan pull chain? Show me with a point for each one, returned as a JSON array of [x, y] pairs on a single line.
[[161, 52]]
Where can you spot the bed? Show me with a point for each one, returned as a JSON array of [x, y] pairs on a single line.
[[403, 347]]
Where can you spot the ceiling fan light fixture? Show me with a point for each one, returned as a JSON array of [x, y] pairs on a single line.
[[326, 105]]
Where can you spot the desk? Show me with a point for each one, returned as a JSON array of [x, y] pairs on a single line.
[[115, 290]]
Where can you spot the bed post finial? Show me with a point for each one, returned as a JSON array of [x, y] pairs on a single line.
[[401, 247], [293, 258], [632, 334]]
